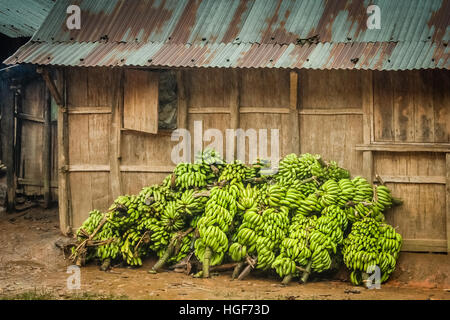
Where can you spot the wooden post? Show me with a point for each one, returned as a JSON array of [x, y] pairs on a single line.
[[17, 138], [59, 94], [65, 221], [8, 102], [294, 130], [182, 116], [367, 106], [447, 197], [234, 104], [115, 136], [46, 150]]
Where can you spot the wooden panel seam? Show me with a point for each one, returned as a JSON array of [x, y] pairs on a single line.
[[331, 112], [90, 110], [414, 179], [403, 148], [424, 245]]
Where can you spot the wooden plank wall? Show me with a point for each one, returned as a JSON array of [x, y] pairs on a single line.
[[331, 115], [29, 144], [340, 115], [375, 123], [411, 112]]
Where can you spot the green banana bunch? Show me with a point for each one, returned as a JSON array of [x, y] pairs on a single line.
[[371, 243], [129, 250], [289, 169], [182, 247], [219, 213], [237, 172], [188, 175], [209, 157], [306, 188], [311, 204], [248, 199], [237, 251], [275, 224], [294, 250], [329, 193], [153, 199], [293, 197], [334, 172], [383, 198], [172, 218], [347, 191], [265, 252], [275, 196], [188, 204], [324, 241], [363, 190]]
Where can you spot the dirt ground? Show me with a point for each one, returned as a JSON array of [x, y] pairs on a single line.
[[30, 261]]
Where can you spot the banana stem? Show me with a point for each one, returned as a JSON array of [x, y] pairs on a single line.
[[105, 265], [307, 272], [237, 270], [247, 270], [287, 279], [245, 273], [162, 261], [206, 262]]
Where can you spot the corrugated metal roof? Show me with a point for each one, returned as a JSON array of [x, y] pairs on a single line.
[[316, 34], [374, 56], [20, 18]]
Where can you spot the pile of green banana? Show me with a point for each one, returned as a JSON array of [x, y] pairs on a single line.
[[369, 244], [292, 222]]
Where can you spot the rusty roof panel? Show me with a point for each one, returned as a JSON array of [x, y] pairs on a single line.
[[23, 18], [322, 34], [375, 56]]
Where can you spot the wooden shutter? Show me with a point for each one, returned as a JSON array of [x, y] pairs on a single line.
[[141, 101]]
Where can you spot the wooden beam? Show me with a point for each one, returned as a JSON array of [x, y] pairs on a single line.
[[392, 147], [367, 107], [202, 110], [88, 168], [293, 130], [46, 150], [414, 179], [264, 110], [90, 110], [447, 199], [235, 105], [51, 85], [424, 245], [115, 135], [65, 219], [151, 169], [331, 112]]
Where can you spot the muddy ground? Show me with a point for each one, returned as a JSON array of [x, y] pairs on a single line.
[[30, 261]]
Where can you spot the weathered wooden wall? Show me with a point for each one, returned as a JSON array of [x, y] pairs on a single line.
[[31, 136], [338, 114]]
